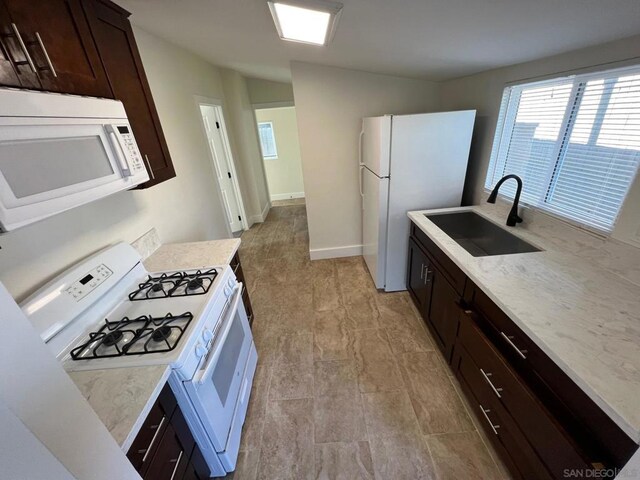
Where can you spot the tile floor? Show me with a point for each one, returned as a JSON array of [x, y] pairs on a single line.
[[349, 384]]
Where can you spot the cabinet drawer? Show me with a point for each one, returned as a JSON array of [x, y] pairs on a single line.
[[499, 426], [146, 442], [454, 275], [547, 438]]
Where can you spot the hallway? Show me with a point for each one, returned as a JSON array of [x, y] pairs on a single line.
[[349, 384]]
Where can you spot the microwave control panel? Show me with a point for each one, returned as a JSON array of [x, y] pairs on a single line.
[[85, 285], [131, 149]]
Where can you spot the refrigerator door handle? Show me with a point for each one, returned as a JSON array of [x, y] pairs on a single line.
[[360, 182], [360, 148]]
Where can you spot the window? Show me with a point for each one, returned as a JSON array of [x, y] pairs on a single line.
[[574, 141], [267, 141]]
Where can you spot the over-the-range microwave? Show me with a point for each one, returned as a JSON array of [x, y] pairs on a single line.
[[61, 151]]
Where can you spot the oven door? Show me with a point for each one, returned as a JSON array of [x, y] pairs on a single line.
[[215, 387], [48, 167]]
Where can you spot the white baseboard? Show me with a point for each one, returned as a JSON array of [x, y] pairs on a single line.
[[286, 196], [335, 252], [260, 217]]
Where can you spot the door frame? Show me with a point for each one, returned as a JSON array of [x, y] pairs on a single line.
[[219, 108]]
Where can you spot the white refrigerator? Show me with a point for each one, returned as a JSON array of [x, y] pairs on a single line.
[[407, 162]]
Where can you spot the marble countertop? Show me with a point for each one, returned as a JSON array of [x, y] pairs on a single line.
[[584, 316], [122, 397], [185, 256]]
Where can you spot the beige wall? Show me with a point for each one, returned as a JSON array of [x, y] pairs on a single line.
[[182, 209], [330, 104], [284, 174], [484, 91], [265, 92], [244, 138]]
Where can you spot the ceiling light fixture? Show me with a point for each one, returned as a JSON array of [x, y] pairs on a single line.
[[305, 21]]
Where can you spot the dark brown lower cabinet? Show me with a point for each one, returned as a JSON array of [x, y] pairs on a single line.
[[540, 422], [236, 266], [165, 448]]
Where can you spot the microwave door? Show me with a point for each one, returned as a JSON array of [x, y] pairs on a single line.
[[46, 169]]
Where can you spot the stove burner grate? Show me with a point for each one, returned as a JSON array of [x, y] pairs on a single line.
[[179, 284], [145, 334]]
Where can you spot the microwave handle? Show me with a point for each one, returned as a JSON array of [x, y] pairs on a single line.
[[117, 147], [226, 323]]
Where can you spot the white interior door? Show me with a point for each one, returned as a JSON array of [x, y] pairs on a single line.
[[224, 171]]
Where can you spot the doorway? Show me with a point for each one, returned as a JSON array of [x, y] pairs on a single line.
[[223, 166], [278, 133]]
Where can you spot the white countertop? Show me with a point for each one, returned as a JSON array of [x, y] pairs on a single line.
[[192, 255], [122, 397], [583, 316]]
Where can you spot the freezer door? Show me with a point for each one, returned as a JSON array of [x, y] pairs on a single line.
[[376, 144], [374, 224], [429, 155]]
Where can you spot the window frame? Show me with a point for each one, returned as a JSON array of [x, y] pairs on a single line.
[[507, 120], [273, 138]]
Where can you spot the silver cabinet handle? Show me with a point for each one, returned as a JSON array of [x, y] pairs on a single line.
[[493, 387], [147, 450], [23, 47], [421, 271], [426, 275], [175, 469], [513, 345], [485, 412], [46, 55], [146, 157]]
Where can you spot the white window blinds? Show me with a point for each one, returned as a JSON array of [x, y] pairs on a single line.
[[574, 141], [267, 140]]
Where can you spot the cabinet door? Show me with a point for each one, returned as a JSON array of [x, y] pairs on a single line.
[[443, 311], [8, 74], [171, 458], [417, 284], [117, 46], [57, 37]]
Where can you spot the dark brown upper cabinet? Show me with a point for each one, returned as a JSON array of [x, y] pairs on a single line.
[[51, 47], [113, 35]]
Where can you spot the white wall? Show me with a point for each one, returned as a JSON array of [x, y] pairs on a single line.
[[484, 91], [244, 138], [330, 103], [182, 209], [284, 174], [266, 93]]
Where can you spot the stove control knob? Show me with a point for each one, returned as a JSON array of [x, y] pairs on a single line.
[[227, 291], [200, 351], [230, 282], [207, 335]]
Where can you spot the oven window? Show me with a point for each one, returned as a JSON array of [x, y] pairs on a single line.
[[228, 361], [35, 166]]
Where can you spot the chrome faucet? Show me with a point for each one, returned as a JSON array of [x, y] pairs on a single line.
[[513, 217]]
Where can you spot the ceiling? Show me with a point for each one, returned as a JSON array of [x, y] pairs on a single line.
[[432, 39]]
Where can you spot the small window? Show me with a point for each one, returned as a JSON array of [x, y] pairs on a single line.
[[574, 141], [267, 141]]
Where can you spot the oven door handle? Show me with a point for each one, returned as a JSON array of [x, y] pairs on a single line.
[[227, 322]]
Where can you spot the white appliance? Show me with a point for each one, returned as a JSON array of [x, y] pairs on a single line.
[[407, 162], [62, 151], [108, 312]]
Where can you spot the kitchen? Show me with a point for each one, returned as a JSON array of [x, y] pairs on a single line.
[[331, 385]]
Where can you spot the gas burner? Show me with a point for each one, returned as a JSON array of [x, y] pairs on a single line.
[[111, 339], [179, 284], [161, 333], [134, 336]]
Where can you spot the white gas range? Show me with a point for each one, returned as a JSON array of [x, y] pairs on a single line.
[[109, 312]]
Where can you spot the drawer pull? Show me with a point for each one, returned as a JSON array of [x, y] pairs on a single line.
[[509, 340], [493, 387], [177, 460], [147, 450], [426, 275], [493, 427]]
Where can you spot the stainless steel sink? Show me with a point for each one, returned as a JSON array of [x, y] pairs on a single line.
[[479, 236]]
